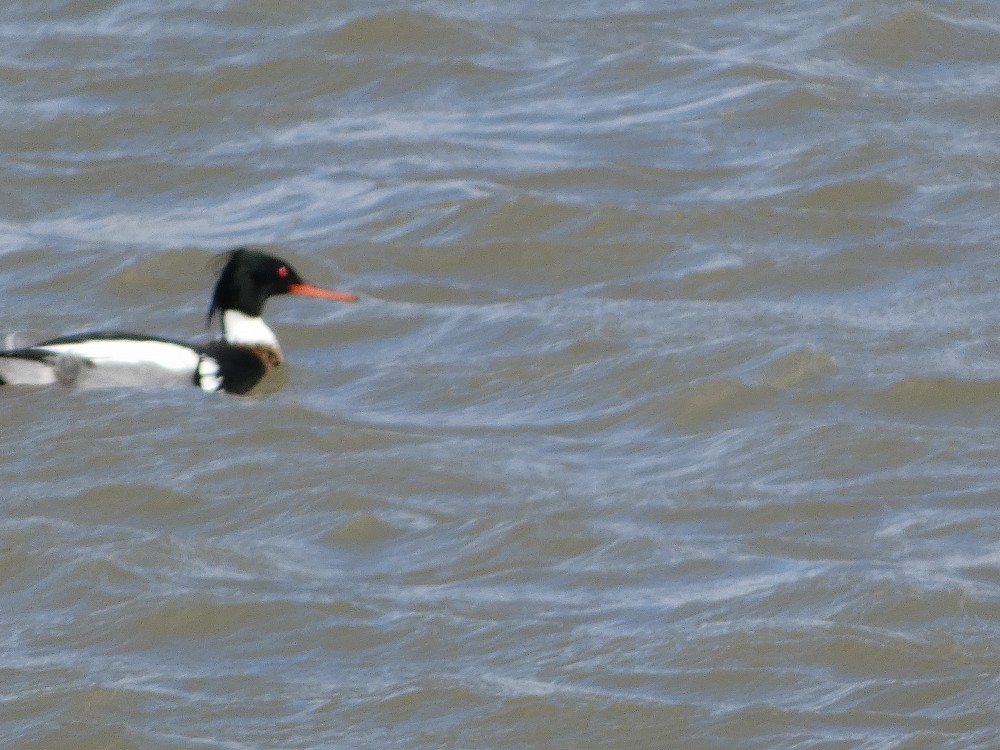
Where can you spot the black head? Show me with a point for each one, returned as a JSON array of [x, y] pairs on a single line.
[[250, 277]]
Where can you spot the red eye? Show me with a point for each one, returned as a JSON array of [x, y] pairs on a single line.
[[283, 272]]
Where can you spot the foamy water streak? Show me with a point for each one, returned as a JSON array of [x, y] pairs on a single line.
[[667, 417]]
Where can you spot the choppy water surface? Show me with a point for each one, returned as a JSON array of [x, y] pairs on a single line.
[[668, 417]]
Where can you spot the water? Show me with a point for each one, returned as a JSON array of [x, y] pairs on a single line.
[[668, 417]]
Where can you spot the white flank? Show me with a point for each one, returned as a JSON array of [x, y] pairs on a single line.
[[175, 357], [109, 363], [247, 330], [26, 372]]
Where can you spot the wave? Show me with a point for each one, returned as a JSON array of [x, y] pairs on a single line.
[[932, 393], [917, 34]]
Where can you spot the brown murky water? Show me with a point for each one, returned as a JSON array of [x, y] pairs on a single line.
[[668, 417]]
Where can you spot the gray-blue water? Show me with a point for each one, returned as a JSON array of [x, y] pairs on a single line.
[[668, 417]]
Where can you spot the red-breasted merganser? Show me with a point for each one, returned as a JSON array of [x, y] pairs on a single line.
[[235, 363]]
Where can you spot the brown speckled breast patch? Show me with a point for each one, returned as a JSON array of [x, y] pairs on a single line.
[[270, 356]]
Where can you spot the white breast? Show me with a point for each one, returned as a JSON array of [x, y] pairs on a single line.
[[247, 330]]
